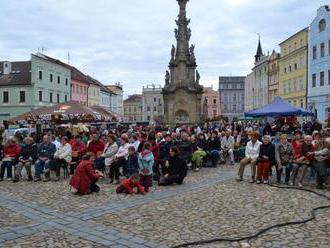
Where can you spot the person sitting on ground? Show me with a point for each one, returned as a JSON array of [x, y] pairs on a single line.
[[146, 162], [62, 157], [227, 147], [321, 162], [200, 152], [284, 155], [127, 186], [176, 169], [302, 160], [265, 160], [11, 153], [120, 160], [26, 158], [132, 162], [84, 178], [96, 146], [251, 155]]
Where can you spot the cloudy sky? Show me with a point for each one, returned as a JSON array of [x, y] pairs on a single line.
[[130, 40]]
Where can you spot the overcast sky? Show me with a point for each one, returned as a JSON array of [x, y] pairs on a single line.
[[130, 40]]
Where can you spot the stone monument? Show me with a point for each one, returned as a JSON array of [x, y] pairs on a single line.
[[182, 92]]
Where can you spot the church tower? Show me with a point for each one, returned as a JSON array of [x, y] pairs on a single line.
[[259, 53], [182, 92]]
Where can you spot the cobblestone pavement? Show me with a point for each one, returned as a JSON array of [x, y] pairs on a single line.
[[209, 205]]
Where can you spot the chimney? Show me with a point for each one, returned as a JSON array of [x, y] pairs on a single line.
[[6, 67]]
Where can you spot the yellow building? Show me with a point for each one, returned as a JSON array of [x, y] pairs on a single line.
[[94, 97], [133, 108], [293, 69]]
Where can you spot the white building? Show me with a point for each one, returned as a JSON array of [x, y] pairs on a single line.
[[117, 100], [248, 92], [152, 102], [318, 96]]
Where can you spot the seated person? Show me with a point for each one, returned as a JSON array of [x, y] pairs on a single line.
[[176, 169], [199, 153], [227, 147], [251, 155], [321, 162], [302, 160], [111, 148], [62, 157], [284, 155], [265, 160], [127, 186], [11, 153], [85, 178], [26, 158], [45, 154], [214, 147], [96, 146], [185, 148]]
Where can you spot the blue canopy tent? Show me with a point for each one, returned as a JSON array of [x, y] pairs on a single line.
[[278, 107]]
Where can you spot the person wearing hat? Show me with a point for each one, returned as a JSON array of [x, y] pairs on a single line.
[[26, 158], [11, 153]]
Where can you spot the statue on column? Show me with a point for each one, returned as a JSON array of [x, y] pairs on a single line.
[[167, 78], [176, 31], [198, 77], [192, 53], [172, 53]]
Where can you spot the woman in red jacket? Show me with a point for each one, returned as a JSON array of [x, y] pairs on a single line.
[[85, 178], [11, 153]]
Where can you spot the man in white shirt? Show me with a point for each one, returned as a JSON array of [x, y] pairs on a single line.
[[227, 147], [251, 156]]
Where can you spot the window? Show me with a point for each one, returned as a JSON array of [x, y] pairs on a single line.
[[234, 97], [294, 103], [155, 100], [148, 118], [225, 107], [301, 83], [290, 69], [58, 79], [295, 85], [155, 108], [322, 25], [234, 107], [329, 77], [322, 78], [65, 98], [81, 89], [148, 108], [301, 103], [214, 101], [234, 86], [51, 78], [22, 96], [40, 75], [66, 82], [40, 96], [314, 52], [314, 80], [58, 98], [322, 47], [5, 97], [295, 67], [50, 97], [284, 69]]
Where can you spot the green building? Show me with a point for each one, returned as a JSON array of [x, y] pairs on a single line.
[[29, 85]]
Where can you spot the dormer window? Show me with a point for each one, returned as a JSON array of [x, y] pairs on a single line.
[[322, 25]]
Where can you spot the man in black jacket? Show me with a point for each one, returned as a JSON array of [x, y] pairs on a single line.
[[27, 157]]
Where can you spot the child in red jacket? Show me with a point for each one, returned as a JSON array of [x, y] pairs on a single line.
[[127, 186]]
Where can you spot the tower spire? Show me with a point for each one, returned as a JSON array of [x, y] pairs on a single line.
[[259, 53]]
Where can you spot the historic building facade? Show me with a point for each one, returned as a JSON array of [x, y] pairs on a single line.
[[319, 65], [28, 85], [211, 103], [273, 76], [249, 92], [117, 98], [231, 90], [182, 92], [94, 93], [260, 88], [293, 69], [133, 108], [152, 102], [79, 86]]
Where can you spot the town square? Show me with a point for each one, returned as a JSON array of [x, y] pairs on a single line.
[[116, 131]]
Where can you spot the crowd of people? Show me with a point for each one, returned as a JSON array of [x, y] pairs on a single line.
[[137, 157]]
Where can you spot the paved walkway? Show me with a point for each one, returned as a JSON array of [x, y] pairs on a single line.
[[210, 204]]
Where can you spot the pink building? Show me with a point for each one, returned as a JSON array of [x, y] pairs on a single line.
[[211, 101], [79, 87]]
